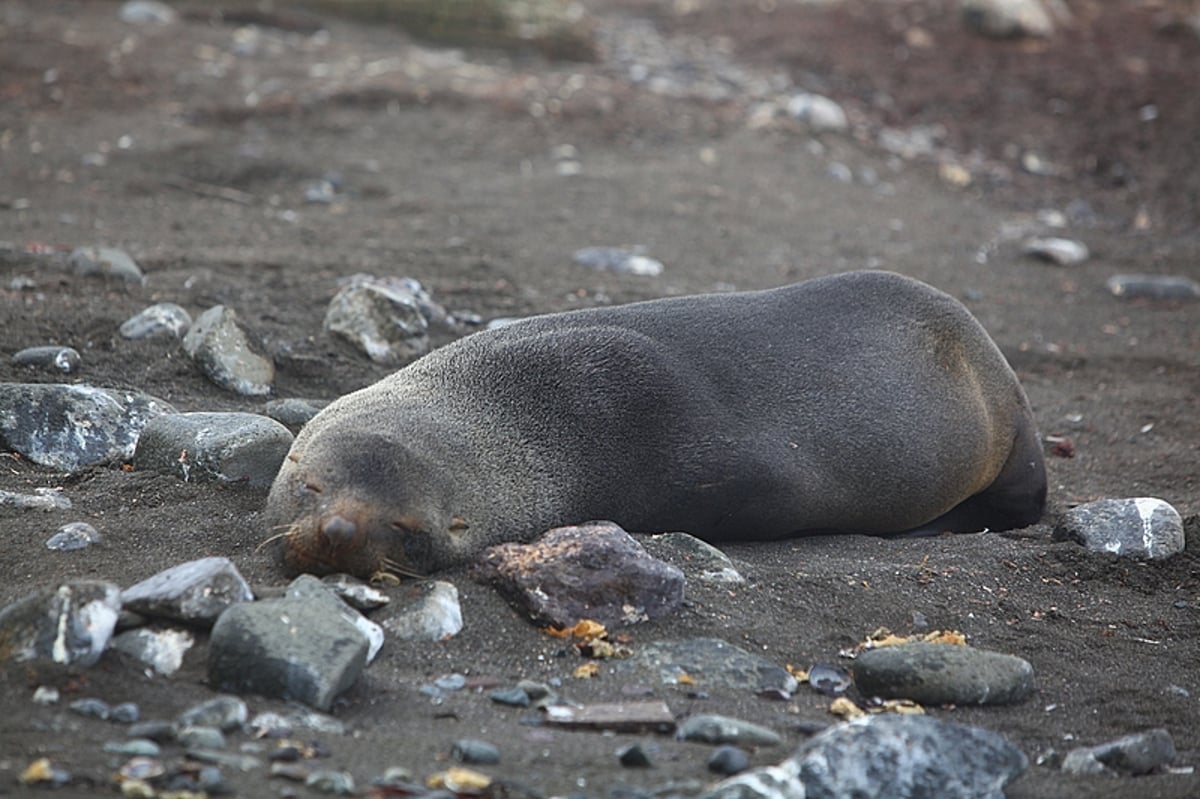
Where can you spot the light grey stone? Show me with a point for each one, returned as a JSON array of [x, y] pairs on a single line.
[[226, 713], [431, 612], [1153, 287], [215, 447], [616, 259], [196, 592], [161, 649], [1057, 250], [382, 319], [697, 559], [714, 729], [221, 348], [307, 586], [1132, 755], [817, 111], [1003, 19], [46, 499], [1142, 527], [162, 319], [105, 262], [711, 662]]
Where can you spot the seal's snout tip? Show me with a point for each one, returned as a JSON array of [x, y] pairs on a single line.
[[338, 530]]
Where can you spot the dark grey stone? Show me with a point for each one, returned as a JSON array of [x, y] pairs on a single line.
[[307, 586], [214, 447], [941, 674], [226, 713], [71, 427], [291, 648], [59, 359], [1153, 287]]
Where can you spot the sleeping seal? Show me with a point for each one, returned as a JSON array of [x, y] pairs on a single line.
[[864, 402]]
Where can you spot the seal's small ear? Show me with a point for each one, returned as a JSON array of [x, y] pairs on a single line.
[[458, 525]]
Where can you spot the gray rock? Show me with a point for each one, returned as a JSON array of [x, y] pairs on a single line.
[[222, 350], [163, 319], [355, 592], [710, 662], [887, 755], [1144, 527], [728, 760], [214, 447], [307, 586], [161, 649], [201, 737], [469, 750], [713, 729], [196, 592], [72, 536], [69, 624], [382, 319], [59, 359], [428, 611], [1153, 287], [818, 112], [1055, 250], [769, 782], [697, 559], [590, 571], [1140, 753], [105, 262], [293, 413], [292, 648], [1004, 19], [147, 12], [941, 674], [615, 259], [71, 427], [226, 713], [46, 499]]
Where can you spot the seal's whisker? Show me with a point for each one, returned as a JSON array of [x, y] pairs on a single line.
[[286, 533], [399, 569]]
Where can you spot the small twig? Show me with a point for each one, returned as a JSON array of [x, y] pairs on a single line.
[[209, 190]]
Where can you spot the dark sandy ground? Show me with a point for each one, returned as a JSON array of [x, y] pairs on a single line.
[[448, 178]]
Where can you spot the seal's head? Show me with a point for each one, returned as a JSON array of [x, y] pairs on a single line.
[[358, 504]]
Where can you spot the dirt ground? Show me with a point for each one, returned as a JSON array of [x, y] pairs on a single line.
[[191, 147]]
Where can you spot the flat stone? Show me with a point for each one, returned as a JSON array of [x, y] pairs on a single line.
[[619, 260], [1060, 251], [45, 423], [648, 716], [697, 559], [381, 319], [1143, 527], [1006, 19], [710, 663], [105, 262], [428, 610], [161, 319], [161, 649], [215, 447], [49, 357], [591, 571], [196, 592], [1153, 287], [1133, 755], [943, 674], [306, 586], [713, 729]]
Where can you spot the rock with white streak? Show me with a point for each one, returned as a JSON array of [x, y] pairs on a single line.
[[1142, 527], [69, 624]]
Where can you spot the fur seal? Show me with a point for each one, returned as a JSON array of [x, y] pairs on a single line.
[[864, 402]]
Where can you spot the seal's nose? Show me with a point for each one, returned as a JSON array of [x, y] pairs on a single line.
[[339, 530]]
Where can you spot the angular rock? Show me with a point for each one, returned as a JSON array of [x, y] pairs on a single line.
[[891, 755], [649, 716], [293, 648], [709, 662], [162, 319], [1153, 287], [196, 592], [222, 350], [713, 729], [769, 782], [818, 112], [1132, 755], [59, 359], [427, 611], [380, 318], [71, 427], [1005, 19], [72, 536], [307, 586], [215, 447], [161, 649], [621, 261], [69, 624], [105, 262], [942, 674], [1143, 527], [591, 571], [355, 593]]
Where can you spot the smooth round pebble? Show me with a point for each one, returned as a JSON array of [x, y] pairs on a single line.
[[72, 536], [728, 760]]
